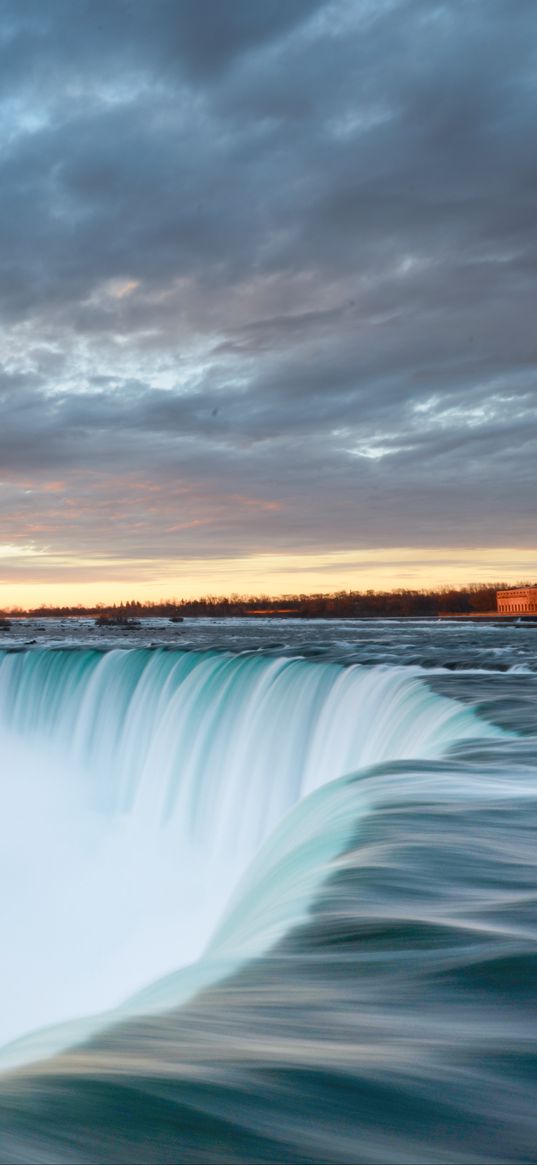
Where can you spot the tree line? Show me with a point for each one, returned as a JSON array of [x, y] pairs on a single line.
[[476, 598]]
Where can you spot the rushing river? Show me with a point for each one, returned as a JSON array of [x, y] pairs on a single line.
[[268, 892]]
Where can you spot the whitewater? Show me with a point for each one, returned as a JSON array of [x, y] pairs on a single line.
[[267, 892]]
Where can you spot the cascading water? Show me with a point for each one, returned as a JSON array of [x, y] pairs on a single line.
[[138, 785], [268, 908]]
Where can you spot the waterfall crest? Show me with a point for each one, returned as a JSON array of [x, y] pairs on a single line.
[[139, 785]]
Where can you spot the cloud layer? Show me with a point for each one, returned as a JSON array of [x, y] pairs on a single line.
[[266, 279]]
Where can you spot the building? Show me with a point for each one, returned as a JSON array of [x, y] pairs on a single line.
[[518, 601]]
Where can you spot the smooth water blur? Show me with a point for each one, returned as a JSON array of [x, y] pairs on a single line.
[[140, 784], [289, 902]]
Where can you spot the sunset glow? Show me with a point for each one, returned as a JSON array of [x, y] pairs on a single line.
[[44, 579]]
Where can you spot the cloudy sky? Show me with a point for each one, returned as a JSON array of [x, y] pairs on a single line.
[[267, 288]]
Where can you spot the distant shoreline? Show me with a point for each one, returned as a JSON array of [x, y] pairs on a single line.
[[475, 601], [104, 625]]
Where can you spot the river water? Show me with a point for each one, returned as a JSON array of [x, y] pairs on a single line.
[[268, 891]]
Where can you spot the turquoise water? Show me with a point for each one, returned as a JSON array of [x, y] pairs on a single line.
[[289, 902]]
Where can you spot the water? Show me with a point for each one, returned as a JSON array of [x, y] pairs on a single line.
[[268, 893]]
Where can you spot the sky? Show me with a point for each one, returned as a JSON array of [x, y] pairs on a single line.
[[267, 296]]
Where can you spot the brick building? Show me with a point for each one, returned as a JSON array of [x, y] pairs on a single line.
[[518, 601]]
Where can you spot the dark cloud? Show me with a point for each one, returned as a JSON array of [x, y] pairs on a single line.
[[266, 275]]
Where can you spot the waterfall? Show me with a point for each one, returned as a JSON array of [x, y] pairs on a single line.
[[137, 786]]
